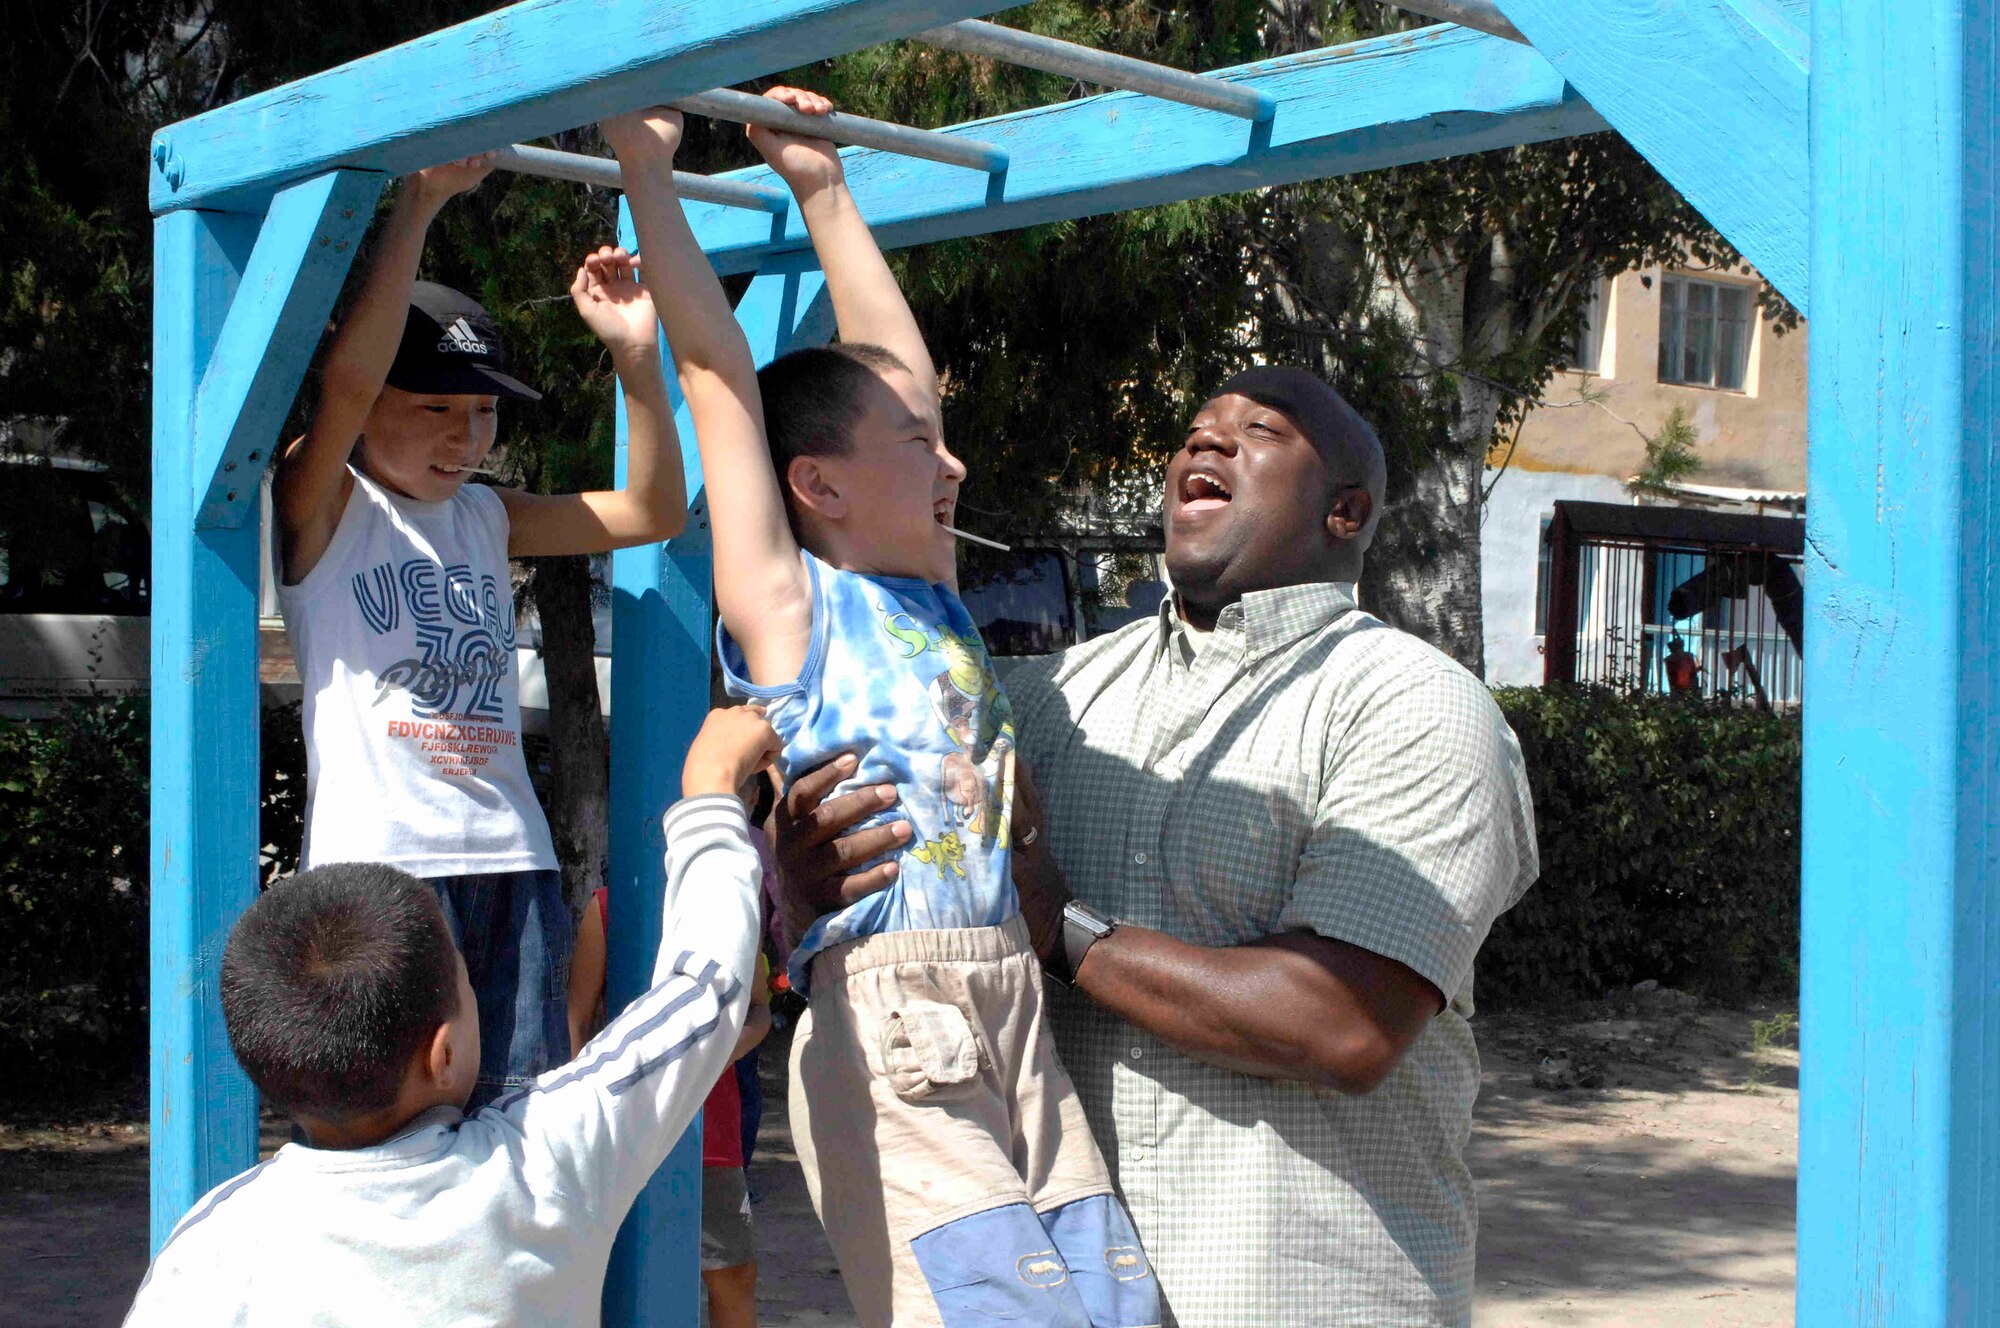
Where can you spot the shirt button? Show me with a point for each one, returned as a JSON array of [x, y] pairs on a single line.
[[1135, 1154], [1139, 858], [1137, 1052]]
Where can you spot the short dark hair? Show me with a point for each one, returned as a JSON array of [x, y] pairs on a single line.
[[812, 398], [332, 981]]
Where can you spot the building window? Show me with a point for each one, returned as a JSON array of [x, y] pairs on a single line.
[[1586, 353], [1704, 333]]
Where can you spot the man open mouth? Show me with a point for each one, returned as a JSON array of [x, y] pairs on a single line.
[[1203, 491]]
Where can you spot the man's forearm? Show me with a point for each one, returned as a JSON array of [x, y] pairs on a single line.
[[1270, 1009]]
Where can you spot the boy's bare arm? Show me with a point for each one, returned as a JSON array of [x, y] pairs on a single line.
[[868, 305], [653, 504], [761, 588], [312, 483]]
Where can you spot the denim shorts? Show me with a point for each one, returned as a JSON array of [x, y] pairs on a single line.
[[515, 931]]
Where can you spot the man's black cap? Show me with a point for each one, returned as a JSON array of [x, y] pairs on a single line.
[[452, 348]]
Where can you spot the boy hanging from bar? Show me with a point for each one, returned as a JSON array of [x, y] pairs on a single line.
[[396, 593], [943, 1143]]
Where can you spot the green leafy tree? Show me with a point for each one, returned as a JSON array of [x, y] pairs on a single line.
[[1438, 297], [85, 85]]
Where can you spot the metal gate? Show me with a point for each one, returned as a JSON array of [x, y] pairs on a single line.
[[1676, 600]]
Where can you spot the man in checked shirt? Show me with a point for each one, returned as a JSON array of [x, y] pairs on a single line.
[[1272, 833]]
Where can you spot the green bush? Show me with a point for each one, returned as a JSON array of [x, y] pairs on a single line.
[[1669, 835], [73, 860]]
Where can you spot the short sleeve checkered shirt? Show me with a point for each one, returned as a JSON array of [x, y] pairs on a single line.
[[1306, 767]]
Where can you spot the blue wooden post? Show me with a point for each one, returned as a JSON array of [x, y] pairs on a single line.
[[204, 647], [662, 605], [227, 363], [1899, 1152]]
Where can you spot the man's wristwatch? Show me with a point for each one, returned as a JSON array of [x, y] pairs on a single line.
[[1082, 927]]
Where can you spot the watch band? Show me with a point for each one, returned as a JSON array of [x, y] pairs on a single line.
[[1082, 927]]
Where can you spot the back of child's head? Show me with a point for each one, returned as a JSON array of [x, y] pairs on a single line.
[[332, 982], [814, 397]]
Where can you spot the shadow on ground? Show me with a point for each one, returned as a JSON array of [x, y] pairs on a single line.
[[1661, 1200]]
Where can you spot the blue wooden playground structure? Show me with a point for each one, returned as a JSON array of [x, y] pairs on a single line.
[[1852, 143]]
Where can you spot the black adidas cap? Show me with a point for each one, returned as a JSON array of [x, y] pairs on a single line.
[[452, 348]]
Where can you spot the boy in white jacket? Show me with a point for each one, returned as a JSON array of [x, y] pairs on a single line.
[[350, 1009]]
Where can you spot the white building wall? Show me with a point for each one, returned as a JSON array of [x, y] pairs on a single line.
[[1510, 537]]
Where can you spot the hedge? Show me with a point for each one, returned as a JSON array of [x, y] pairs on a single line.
[[73, 859], [74, 869], [1669, 835], [1669, 845]]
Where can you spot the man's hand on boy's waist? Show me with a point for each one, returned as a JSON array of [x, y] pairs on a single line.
[[818, 850], [816, 855]]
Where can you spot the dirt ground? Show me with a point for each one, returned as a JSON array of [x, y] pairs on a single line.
[[1645, 1182]]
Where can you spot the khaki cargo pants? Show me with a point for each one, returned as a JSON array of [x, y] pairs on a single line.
[[944, 1144]]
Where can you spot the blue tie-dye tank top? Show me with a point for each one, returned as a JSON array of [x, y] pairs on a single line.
[[897, 674]]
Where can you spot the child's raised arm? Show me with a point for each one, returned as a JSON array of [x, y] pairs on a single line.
[[761, 589], [311, 485], [868, 305], [653, 504]]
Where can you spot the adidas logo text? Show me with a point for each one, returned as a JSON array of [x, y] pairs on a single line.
[[461, 338]]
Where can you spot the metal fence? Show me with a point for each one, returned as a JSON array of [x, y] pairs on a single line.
[[1671, 600]]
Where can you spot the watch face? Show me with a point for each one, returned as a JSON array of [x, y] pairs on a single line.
[[1084, 916]]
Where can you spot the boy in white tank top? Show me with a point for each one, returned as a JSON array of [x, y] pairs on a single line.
[[396, 592]]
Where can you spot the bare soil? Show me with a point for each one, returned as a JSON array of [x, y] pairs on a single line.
[[1659, 1196]]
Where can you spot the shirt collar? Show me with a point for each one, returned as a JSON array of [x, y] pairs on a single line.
[[1270, 620]]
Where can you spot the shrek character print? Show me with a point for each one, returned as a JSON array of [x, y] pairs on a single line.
[[978, 780]]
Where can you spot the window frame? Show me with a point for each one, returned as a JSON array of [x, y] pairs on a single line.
[[1673, 366]]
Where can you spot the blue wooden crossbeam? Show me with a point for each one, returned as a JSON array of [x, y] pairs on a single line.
[[520, 73], [267, 341], [1713, 93], [1384, 102]]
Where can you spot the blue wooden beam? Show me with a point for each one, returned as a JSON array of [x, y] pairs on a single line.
[[662, 610], [1899, 1114], [274, 324], [517, 74], [1389, 101], [1713, 93], [204, 741]]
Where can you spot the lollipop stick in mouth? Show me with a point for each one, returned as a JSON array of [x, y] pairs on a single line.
[[978, 539]]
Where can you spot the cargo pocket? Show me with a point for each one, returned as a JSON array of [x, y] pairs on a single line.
[[928, 1052]]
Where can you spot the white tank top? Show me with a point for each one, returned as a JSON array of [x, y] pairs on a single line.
[[404, 636]]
